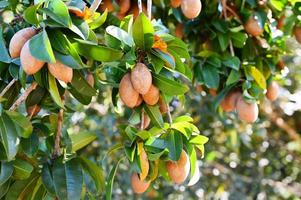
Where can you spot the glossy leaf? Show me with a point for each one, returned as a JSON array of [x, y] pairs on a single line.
[[154, 114], [258, 77], [4, 56], [169, 86], [6, 172], [98, 21], [143, 32], [174, 145], [121, 35], [30, 14], [22, 123], [22, 169], [54, 92], [110, 181], [81, 140]]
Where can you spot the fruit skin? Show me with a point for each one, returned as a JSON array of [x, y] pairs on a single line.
[[247, 112], [152, 96], [146, 121], [297, 33], [175, 3], [18, 41], [61, 71], [144, 165], [141, 78], [127, 93], [124, 5], [163, 106], [281, 65], [30, 64], [138, 186], [272, 91], [33, 110], [191, 8], [281, 20], [107, 4], [252, 27], [179, 30], [212, 92], [179, 170], [90, 79], [228, 104]]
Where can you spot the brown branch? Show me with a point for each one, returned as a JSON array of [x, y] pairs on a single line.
[[224, 11], [35, 108], [23, 96], [60, 118], [8, 86], [169, 115]]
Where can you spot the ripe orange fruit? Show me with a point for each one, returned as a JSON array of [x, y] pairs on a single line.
[[33, 110], [252, 27], [139, 101], [212, 92], [162, 106], [179, 32], [141, 78], [144, 165], [90, 79], [191, 8], [297, 33], [30, 64], [179, 170], [138, 185], [175, 3], [127, 93], [281, 65], [19, 39], [107, 4], [147, 121], [228, 104], [272, 91], [247, 112], [124, 6], [60, 71], [152, 96]]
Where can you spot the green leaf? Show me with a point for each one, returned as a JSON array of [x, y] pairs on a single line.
[[95, 172], [223, 40], [54, 92], [199, 139], [6, 172], [81, 140], [143, 32], [30, 14], [97, 52], [156, 62], [174, 145], [60, 12], [210, 76], [185, 128], [258, 77], [168, 86], [97, 22], [232, 62], [9, 137], [68, 60], [40, 47], [68, 179], [4, 189], [22, 169], [233, 77], [238, 39], [154, 114], [47, 179], [169, 61], [81, 85], [110, 181], [121, 35], [22, 123], [4, 56]]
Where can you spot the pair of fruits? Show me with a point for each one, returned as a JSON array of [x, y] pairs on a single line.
[[247, 111], [190, 8], [19, 47], [136, 86], [177, 171]]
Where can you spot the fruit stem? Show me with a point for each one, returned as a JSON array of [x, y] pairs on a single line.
[[140, 6], [142, 120], [149, 9], [60, 118], [23, 96], [224, 11], [169, 115], [95, 5], [7, 87]]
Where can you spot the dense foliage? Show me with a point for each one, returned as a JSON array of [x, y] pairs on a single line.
[[86, 93]]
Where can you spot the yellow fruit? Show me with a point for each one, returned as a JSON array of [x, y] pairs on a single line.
[[90, 79], [179, 170], [127, 93], [144, 165], [18, 41], [252, 27], [138, 186], [272, 91], [297, 33], [191, 8], [30, 64], [175, 3], [247, 112], [141, 78], [60, 71], [228, 104], [152, 96]]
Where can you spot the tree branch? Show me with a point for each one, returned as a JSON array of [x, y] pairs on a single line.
[[95, 5], [169, 115], [149, 9], [60, 118], [7, 87], [23, 96], [142, 120]]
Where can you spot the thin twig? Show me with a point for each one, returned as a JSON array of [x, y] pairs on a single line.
[[142, 120], [140, 6], [149, 9], [225, 8], [60, 118], [7, 87], [23, 96], [169, 115], [33, 110], [95, 5]]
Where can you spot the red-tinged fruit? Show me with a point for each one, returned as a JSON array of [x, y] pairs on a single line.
[[179, 170], [273, 91], [191, 8], [127, 93], [247, 112], [139, 186]]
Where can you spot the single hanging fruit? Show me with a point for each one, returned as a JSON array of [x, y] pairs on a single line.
[[60, 71], [191, 8], [247, 112], [252, 27], [228, 104], [175, 3], [127, 93], [297, 33], [179, 170], [138, 185], [141, 78], [272, 91], [152, 96]]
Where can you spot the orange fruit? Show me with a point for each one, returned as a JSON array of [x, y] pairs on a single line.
[[281, 21], [141, 78], [127, 93], [247, 112], [191, 8], [107, 4], [252, 27], [212, 92], [297, 33], [162, 106], [19, 39], [30, 64], [179, 32], [281, 65], [175, 3], [138, 186], [228, 104], [60, 71], [152, 96], [179, 170], [124, 6], [139, 101], [272, 91], [147, 121]]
